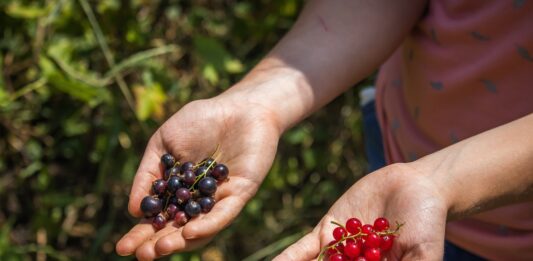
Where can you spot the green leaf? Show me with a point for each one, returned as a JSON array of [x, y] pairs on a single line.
[[31, 169], [216, 58], [75, 125], [90, 94], [210, 73], [233, 66], [140, 59], [289, 8], [4, 98], [309, 159], [149, 101], [211, 51], [296, 135], [17, 10]]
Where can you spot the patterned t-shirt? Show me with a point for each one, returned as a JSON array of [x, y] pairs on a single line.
[[466, 67]]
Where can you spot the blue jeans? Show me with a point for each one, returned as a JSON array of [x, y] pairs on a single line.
[[376, 160]]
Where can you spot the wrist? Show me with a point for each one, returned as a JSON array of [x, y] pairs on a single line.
[[433, 176], [274, 91]]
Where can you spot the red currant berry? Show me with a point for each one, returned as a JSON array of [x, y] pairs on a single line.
[[336, 257], [339, 232], [353, 225], [386, 242], [331, 251], [352, 249], [367, 229], [372, 254], [372, 240], [360, 258], [340, 247], [381, 224]]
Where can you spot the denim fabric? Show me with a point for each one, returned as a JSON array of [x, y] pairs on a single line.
[[372, 137], [376, 159]]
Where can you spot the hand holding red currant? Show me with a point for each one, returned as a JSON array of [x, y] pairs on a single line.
[[355, 241], [400, 193]]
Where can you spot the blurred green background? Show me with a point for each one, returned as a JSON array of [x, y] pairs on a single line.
[[83, 85]]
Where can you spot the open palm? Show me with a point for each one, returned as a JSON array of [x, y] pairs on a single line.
[[397, 192], [247, 141]]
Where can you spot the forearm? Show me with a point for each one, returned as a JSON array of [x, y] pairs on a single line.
[[488, 170], [333, 45]]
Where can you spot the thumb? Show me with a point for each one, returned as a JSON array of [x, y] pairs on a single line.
[[307, 248], [149, 170]]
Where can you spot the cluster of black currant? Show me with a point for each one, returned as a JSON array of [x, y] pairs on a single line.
[[185, 191]]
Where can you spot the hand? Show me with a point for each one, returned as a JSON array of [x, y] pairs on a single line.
[[398, 192], [247, 137]]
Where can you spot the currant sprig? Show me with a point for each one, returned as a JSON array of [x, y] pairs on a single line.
[[355, 240], [186, 190]]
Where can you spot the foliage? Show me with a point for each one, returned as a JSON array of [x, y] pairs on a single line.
[[85, 83]]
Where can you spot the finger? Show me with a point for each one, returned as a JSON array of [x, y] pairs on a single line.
[[174, 242], [149, 170], [307, 248], [230, 204], [134, 238], [218, 218], [146, 251]]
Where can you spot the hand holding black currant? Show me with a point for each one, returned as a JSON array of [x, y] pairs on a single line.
[[247, 140], [178, 192]]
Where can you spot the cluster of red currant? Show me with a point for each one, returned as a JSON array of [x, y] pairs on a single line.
[[359, 242], [185, 191]]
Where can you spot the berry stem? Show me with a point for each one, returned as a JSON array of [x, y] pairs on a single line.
[[338, 224], [203, 173], [359, 234], [203, 161], [176, 164]]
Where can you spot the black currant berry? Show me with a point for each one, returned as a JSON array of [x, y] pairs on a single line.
[[188, 177], [171, 210], [209, 162], [159, 222], [201, 170], [207, 186], [171, 172], [173, 184], [159, 186], [206, 203], [186, 166], [181, 218], [192, 209], [220, 172], [173, 200], [168, 161], [151, 206], [183, 195]]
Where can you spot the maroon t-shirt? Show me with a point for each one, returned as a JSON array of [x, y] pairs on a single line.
[[466, 67]]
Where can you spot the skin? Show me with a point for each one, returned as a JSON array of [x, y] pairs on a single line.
[[463, 179], [333, 45], [247, 142]]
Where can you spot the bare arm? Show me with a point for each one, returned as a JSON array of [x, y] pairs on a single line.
[[488, 170], [333, 45], [485, 171]]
